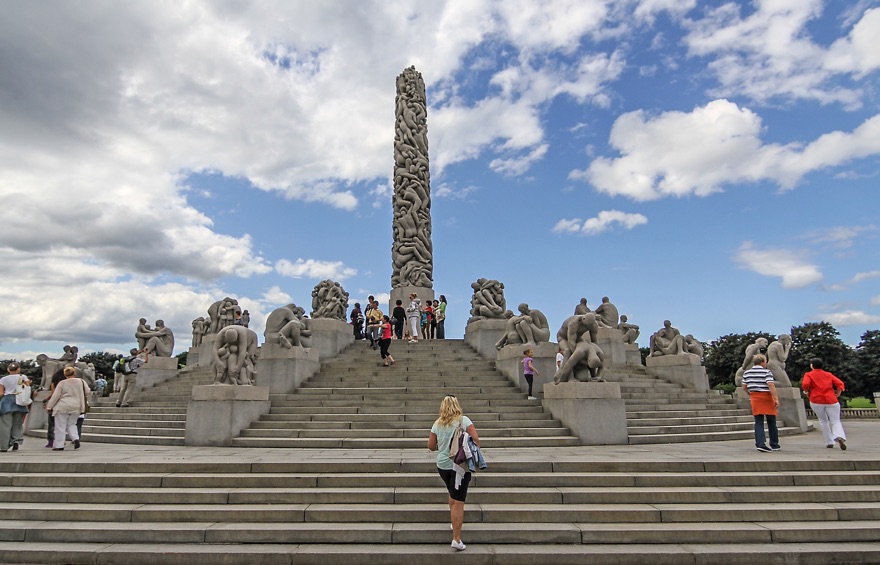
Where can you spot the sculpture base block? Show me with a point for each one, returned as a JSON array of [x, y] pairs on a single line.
[[594, 412], [192, 357], [633, 355], [160, 363], [282, 370], [682, 369], [330, 337], [402, 293], [148, 377], [482, 335], [37, 418], [218, 413], [611, 342], [509, 362], [791, 408]]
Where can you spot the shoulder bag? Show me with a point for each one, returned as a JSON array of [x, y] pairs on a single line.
[[23, 394]]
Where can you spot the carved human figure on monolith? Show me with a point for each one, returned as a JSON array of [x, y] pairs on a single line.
[[286, 327], [630, 331], [488, 300], [159, 342], [607, 315], [329, 300], [693, 345], [667, 341], [760, 346], [411, 251], [582, 308], [234, 356], [530, 326], [221, 314], [777, 354]]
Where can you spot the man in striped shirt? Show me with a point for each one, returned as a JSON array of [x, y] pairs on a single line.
[[758, 383]]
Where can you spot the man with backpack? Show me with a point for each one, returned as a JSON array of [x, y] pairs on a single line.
[[130, 366]]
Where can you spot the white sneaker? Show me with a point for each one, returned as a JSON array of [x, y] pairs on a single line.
[[533, 398], [459, 545]]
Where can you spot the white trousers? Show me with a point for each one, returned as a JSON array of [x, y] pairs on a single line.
[[65, 422], [829, 421], [414, 328]]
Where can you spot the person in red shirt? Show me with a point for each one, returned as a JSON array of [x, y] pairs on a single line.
[[823, 389]]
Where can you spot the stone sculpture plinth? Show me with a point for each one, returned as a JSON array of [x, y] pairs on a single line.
[[791, 407], [217, 413], [683, 369], [156, 370], [37, 417], [633, 355], [482, 335], [594, 412], [509, 362], [329, 336], [402, 293], [282, 370], [611, 342]]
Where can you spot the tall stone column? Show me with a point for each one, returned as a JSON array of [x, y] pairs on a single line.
[[412, 253]]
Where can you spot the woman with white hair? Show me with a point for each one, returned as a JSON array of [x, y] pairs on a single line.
[[67, 403]]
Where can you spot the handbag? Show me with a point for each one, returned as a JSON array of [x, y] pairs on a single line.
[[23, 394], [85, 399]]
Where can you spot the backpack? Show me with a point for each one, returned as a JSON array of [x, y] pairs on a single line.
[[120, 366]]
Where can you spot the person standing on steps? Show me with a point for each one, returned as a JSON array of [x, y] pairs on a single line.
[[824, 389], [399, 317], [11, 413], [67, 403], [126, 393], [758, 384], [414, 315], [440, 313], [529, 371], [385, 331], [450, 419]]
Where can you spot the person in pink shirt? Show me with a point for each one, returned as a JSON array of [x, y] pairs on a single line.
[[823, 389]]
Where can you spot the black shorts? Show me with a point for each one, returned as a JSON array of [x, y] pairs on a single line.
[[448, 476]]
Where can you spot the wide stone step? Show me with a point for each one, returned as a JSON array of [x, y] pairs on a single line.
[[636, 439], [688, 420], [389, 432], [635, 428], [402, 443], [350, 414], [422, 425]]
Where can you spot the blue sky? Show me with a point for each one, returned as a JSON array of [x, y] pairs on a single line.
[[713, 163]]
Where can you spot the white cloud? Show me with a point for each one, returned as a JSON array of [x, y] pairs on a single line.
[[312, 268], [604, 221], [679, 154], [276, 296], [516, 166], [865, 276], [770, 52], [782, 263], [447, 191], [851, 318], [841, 237]]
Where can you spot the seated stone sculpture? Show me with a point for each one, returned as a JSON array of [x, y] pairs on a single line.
[[329, 300], [582, 308], [667, 341], [140, 333], [487, 301], [583, 358], [50, 366], [777, 354], [234, 356], [159, 342], [693, 345], [607, 315], [630, 331], [287, 327], [760, 346], [530, 326]]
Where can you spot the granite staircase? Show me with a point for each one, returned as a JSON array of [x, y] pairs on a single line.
[[355, 402], [357, 507]]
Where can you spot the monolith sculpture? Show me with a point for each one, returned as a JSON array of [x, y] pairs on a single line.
[[412, 254]]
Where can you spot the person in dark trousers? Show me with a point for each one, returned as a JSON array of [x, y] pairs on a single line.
[[399, 316], [758, 383], [357, 321], [385, 331]]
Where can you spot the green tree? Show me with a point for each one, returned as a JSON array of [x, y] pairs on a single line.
[[866, 376], [29, 367], [723, 356], [820, 339], [181, 358]]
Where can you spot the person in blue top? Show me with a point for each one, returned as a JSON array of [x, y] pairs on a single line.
[[450, 419]]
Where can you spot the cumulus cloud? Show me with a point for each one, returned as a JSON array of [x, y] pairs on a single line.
[[312, 268], [782, 263], [875, 300], [604, 221], [851, 318], [770, 52], [698, 153]]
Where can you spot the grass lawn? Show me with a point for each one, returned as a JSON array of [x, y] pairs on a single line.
[[860, 402]]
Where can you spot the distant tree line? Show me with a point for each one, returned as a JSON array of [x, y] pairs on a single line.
[[859, 368]]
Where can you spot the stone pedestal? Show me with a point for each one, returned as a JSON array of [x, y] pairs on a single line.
[[218, 413], [742, 399], [282, 370], [156, 370], [633, 355], [192, 357], [682, 369], [509, 362], [791, 407], [402, 293], [330, 337], [482, 335], [611, 342], [37, 417], [595, 412]]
